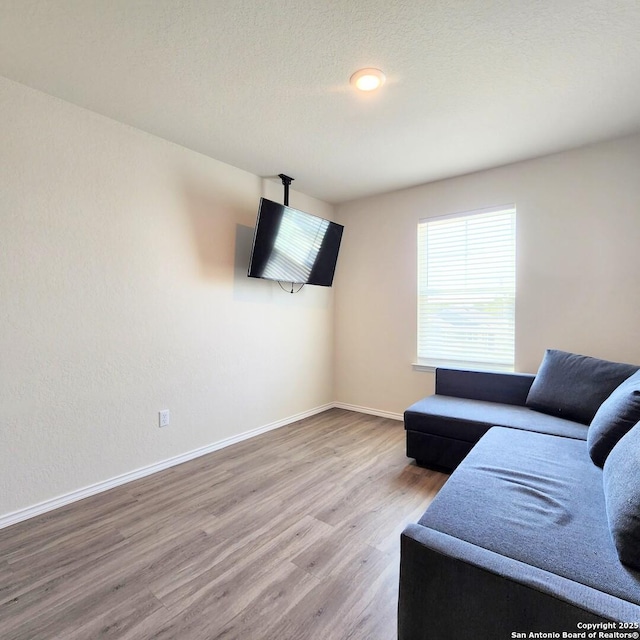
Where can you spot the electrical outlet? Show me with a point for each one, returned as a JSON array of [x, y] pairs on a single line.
[[164, 417]]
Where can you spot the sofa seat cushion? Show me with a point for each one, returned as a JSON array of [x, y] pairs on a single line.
[[537, 499], [469, 420]]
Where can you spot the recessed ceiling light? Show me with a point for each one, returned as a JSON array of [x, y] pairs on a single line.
[[367, 79]]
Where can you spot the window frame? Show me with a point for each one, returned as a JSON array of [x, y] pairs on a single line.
[[423, 363]]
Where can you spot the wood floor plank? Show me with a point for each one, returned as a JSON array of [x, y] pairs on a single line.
[[291, 535], [278, 599], [336, 604], [241, 570], [126, 563], [104, 610]]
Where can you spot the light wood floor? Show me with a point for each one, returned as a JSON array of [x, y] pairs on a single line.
[[292, 535]]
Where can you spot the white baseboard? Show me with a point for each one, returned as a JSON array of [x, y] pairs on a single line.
[[371, 412], [54, 503], [60, 501]]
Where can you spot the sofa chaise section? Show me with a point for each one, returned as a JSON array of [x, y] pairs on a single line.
[[441, 429]]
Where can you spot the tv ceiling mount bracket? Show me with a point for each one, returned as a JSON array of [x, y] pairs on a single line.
[[286, 181]]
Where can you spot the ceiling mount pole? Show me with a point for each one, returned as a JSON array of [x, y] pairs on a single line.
[[286, 181]]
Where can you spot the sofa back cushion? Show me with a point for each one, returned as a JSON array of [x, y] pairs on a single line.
[[621, 480], [573, 386], [615, 417]]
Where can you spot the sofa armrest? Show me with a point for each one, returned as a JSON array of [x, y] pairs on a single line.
[[491, 386], [451, 589]]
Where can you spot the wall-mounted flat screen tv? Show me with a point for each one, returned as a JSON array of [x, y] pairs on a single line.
[[293, 246]]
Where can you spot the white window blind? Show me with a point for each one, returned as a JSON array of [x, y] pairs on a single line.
[[466, 289]]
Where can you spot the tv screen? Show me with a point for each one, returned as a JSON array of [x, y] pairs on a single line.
[[293, 246]]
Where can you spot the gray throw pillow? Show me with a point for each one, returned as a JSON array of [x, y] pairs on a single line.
[[617, 415], [573, 387], [621, 482]]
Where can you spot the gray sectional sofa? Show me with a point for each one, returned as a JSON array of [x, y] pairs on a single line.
[[538, 527]]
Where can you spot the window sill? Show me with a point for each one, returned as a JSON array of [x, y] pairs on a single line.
[[430, 367]]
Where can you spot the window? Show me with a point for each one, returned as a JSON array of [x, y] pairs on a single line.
[[466, 289]]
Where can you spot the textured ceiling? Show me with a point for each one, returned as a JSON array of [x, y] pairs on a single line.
[[263, 86]]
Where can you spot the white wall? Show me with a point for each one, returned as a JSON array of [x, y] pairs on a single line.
[[123, 291], [578, 266]]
